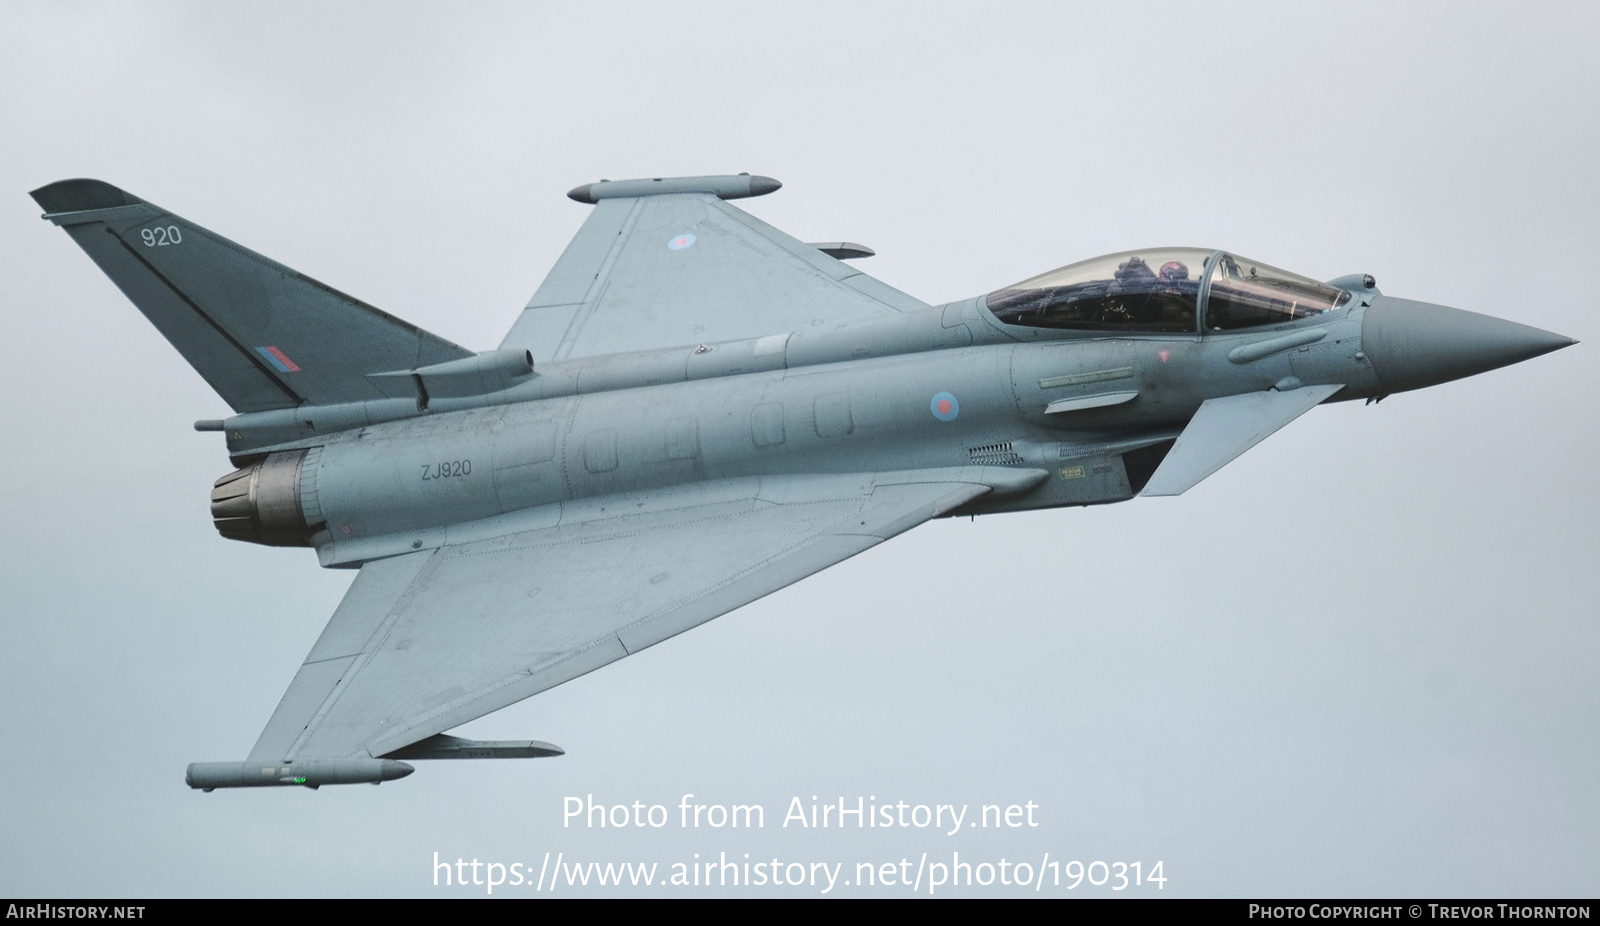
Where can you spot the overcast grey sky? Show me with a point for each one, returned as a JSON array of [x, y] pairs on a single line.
[[1360, 660]]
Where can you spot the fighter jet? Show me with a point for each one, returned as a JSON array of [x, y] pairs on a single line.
[[696, 410]]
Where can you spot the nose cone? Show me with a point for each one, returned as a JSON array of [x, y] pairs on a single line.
[[1416, 344]]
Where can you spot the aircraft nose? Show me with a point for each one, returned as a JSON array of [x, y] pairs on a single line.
[[1417, 344]]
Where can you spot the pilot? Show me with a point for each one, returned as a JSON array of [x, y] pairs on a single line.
[[1130, 285], [1134, 271], [1178, 295]]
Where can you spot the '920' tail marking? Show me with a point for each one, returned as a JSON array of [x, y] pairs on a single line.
[[159, 237]]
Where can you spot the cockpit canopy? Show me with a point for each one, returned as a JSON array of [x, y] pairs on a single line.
[[1164, 289]]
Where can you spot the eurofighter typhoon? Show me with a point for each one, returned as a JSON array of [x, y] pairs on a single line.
[[696, 410]]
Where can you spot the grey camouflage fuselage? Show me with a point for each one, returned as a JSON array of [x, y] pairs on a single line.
[[606, 479]]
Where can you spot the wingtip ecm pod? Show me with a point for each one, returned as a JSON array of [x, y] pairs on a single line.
[[722, 186], [314, 773], [306, 773]]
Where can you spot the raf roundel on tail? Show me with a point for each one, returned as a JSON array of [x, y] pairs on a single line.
[[498, 471]]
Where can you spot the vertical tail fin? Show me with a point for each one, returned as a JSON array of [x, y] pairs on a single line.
[[261, 334]]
